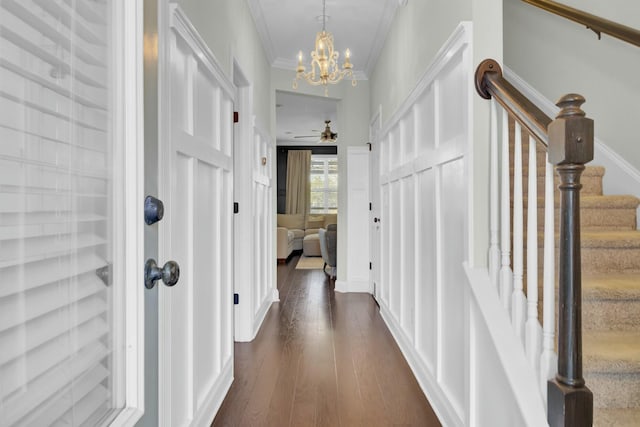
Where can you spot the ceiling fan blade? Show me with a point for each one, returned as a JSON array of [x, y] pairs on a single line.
[[306, 136]]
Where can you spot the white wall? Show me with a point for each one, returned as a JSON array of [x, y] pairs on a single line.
[[557, 56], [227, 27], [417, 33], [353, 118]]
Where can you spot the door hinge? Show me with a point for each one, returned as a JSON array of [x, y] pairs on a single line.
[[370, 206], [236, 299], [369, 144], [236, 117], [370, 266], [236, 207]]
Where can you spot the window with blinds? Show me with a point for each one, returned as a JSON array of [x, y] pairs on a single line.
[[60, 318], [324, 184]]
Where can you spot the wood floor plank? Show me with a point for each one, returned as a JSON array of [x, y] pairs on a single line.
[[322, 359]]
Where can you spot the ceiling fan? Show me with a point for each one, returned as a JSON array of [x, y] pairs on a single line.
[[325, 136]]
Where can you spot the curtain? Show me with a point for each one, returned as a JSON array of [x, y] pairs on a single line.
[[298, 185]]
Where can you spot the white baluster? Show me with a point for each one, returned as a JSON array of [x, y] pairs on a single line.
[[549, 358], [506, 274], [494, 250], [533, 330], [518, 302]]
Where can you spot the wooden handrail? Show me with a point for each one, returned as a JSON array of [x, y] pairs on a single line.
[[489, 82], [595, 23], [569, 141]]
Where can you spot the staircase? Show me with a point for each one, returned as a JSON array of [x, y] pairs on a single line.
[[611, 306], [610, 245]]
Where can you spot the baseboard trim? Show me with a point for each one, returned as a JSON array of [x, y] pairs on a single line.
[[345, 286], [341, 286], [216, 396], [436, 395], [260, 315]]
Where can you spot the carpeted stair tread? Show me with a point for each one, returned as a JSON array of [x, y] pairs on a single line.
[[616, 417], [611, 239], [611, 352], [611, 286]]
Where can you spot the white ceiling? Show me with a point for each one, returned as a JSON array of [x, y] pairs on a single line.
[[301, 115], [288, 26]]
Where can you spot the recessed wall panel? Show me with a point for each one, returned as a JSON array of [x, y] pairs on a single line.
[[425, 122], [426, 297], [407, 226], [452, 225], [452, 102]]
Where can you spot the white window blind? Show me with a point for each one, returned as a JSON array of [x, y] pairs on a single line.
[[58, 304], [324, 184]]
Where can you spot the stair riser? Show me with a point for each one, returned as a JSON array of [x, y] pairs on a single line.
[[591, 186], [620, 313], [599, 260], [614, 390], [607, 260], [594, 219], [599, 315]]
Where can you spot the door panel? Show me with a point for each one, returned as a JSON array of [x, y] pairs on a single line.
[[196, 358]]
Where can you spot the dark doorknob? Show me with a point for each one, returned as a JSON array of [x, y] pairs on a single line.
[[376, 219], [169, 273]]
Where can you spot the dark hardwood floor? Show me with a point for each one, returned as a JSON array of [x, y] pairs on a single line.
[[322, 359]]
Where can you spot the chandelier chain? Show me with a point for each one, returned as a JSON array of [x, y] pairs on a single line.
[[324, 14]]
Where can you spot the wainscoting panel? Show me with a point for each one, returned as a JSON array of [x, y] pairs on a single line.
[[426, 302], [452, 221], [423, 183], [408, 278]]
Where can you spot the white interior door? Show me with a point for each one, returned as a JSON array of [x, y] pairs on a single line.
[[195, 316], [70, 213]]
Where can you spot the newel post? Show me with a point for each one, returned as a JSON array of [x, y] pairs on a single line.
[[570, 402]]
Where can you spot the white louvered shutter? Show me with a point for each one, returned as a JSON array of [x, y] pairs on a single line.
[[59, 346]]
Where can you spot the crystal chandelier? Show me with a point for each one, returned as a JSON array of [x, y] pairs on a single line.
[[324, 62]]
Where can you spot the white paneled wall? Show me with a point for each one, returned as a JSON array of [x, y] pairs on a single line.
[[444, 317], [424, 221]]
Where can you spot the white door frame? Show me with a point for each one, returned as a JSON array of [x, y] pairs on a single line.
[[130, 130], [375, 127], [244, 263]]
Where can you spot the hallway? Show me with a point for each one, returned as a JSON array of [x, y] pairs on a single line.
[[322, 359]]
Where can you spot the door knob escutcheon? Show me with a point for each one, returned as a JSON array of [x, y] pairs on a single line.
[[169, 273]]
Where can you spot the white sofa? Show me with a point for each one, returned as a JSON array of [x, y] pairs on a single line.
[[292, 228]]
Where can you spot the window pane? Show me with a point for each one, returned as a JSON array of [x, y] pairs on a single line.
[[332, 200], [323, 178]]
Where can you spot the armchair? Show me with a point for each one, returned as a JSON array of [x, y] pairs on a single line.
[[328, 248]]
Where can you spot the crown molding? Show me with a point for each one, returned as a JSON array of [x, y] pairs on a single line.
[[261, 27], [381, 35]]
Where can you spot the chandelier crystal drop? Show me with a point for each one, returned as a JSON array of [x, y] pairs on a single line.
[[324, 62]]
